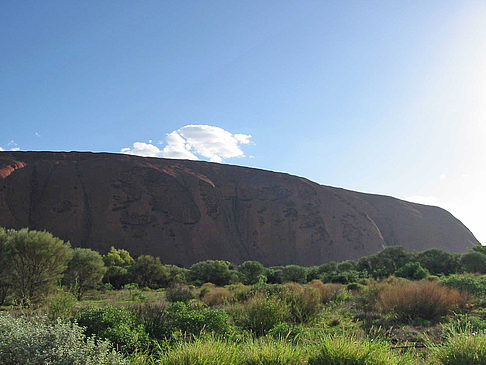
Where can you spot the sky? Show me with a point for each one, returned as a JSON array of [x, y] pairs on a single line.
[[386, 97]]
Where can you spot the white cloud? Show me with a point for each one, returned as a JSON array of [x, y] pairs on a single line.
[[191, 141], [142, 149], [442, 177], [177, 147], [11, 146]]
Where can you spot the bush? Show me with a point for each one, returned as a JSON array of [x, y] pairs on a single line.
[[250, 272], [260, 314], [60, 305], [119, 325], [85, 271], [179, 293], [475, 285], [350, 351], [217, 296], [474, 262], [412, 271], [294, 273], [33, 342], [285, 332], [190, 321], [422, 299], [211, 271], [462, 349], [304, 302]]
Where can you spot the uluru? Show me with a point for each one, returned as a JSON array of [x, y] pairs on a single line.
[[187, 211]]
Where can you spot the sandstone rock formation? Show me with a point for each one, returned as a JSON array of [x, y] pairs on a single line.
[[187, 211]]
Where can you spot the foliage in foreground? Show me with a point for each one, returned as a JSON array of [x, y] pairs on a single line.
[[212, 351], [350, 351], [35, 342], [465, 348], [119, 325]]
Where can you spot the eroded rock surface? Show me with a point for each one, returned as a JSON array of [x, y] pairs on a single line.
[[188, 211]]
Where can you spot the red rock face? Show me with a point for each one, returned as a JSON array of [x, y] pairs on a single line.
[[187, 211]]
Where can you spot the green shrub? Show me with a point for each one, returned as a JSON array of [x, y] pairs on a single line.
[[119, 325], [462, 349], [250, 272], [472, 284], [35, 342], [412, 271], [285, 332], [217, 272], [60, 305], [294, 273], [304, 302], [351, 351], [260, 314], [192, 321]]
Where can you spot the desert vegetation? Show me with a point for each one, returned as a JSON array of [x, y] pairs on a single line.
[[77, 306]]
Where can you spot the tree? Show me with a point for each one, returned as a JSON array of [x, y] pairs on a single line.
[[438, 262], [479, 248], [36, 262], [148, 271], [118, 257], [250, 272], [117, 261], [84, 271], [386, 262], [211, 271], [474, 262], [295, 273], [4, 267]]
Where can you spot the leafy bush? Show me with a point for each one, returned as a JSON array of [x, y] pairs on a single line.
[[351, 351], [421, 299], [304, 302], [286, 332], [60, 305], [474, 262], [211, 271], [192, 321], [472, 284], [179, 293], [462, 349], [250, 272], [294, 273], [35, 342], [260, 314], [119, 325], [412, 271], [85, 271]]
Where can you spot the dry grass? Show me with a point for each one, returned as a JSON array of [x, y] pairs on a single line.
[[217, 296], [420, 299], [326, 291]]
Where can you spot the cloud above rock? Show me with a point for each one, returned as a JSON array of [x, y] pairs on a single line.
[[193, 142]]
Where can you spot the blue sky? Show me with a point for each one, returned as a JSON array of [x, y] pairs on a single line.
[[386, 97]]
